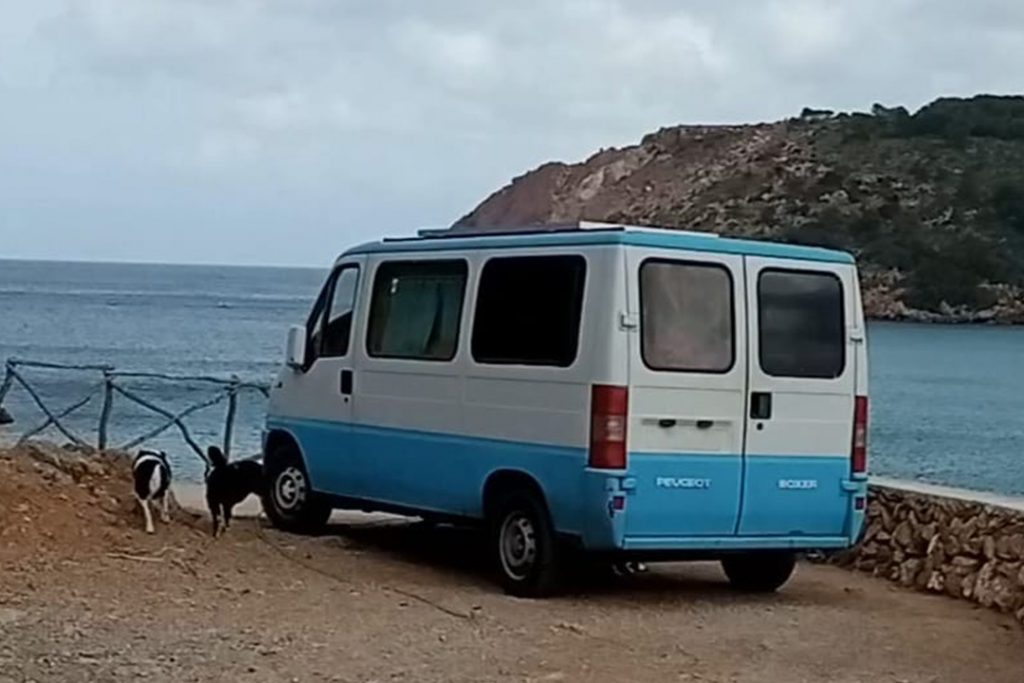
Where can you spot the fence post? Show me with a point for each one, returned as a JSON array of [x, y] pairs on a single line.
[[229, 421], [108, 399], [5, 386]]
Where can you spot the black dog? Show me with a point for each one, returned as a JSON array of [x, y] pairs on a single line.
[[151, 475], [228, 484]]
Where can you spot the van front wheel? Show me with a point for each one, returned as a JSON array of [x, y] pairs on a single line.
[[524, 545], [759, 572], [288, 500]]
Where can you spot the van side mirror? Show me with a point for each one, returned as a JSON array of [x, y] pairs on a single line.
[[296, 347]]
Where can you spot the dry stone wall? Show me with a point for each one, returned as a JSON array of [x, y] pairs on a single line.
[[964, 548]]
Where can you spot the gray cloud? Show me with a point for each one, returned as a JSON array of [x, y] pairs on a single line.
[[264, 131]]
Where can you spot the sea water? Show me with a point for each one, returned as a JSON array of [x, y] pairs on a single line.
[[947, 402]]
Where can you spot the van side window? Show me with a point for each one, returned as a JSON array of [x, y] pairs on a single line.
[[686, 316], [802, 329], [339, 314], [528, 310], [416, 309]]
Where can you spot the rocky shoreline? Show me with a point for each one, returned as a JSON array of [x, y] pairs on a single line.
[[948, 316], [883, 294]]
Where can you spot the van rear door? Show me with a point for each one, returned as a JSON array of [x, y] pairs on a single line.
[[800, 407], [687, 392]]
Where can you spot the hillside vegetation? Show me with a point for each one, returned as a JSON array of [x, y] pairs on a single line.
[[931, 202]]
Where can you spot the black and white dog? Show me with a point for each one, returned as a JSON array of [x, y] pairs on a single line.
[[228, 484], [152, 477]]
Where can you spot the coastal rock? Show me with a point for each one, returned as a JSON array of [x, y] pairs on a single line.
[[904, 534], [909, 571], [936, 551], [78, 463], [967, 586], [1011, 547], [838, 182], [1009, 570], [968, 563], [5, 417]]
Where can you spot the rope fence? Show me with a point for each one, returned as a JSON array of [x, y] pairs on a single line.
[[111, 383]]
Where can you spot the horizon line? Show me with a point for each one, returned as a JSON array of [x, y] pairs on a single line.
[[129, 262]]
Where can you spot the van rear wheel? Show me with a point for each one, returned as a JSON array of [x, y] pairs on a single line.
[[759, 572], [525, 547], [288, 500]]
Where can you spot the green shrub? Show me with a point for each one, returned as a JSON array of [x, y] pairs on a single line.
[[1008, 204]]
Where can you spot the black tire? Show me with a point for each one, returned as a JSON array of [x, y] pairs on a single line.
[[288, 500], [759, 572], [525, 547]]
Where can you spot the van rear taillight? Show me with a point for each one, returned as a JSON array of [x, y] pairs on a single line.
[[859, 450], [609, 412]]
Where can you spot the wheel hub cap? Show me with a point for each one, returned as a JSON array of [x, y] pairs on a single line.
[[518, 541], [290, 489]]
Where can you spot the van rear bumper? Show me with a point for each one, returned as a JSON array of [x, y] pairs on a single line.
[[607, 502]]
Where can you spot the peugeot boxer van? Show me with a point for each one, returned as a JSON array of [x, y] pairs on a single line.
[[619, 392]]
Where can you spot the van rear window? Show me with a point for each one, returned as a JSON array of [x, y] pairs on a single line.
[[528, 310], [416, 309], [686, 316], [802, 331]]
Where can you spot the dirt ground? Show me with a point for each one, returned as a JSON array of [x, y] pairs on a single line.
[[86, 596]]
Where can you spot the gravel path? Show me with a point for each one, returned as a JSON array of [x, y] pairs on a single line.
[[85, 596], [402, 603]]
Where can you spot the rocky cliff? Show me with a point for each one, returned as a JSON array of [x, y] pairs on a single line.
[[932, 203]]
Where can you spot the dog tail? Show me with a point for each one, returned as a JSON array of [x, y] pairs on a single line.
[[216, 456]]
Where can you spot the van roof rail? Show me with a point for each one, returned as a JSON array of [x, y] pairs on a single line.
[[540, 229]]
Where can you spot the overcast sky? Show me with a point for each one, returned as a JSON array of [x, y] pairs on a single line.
[[263, 131]]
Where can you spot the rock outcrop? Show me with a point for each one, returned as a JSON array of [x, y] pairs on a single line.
[[932, 203]]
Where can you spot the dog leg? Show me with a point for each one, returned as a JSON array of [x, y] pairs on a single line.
[[214, 516], [227, 516], [149, 517], [165, 512]]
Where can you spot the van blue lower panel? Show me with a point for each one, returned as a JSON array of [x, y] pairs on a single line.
[[696, 507], [795, 496], [684, 494], [432, 471]]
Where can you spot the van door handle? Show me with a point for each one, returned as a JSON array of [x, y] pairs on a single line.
[[760, 405], [705, 424], [346, 382]]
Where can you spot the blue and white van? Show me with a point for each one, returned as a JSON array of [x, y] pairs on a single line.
[[631, 393]]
